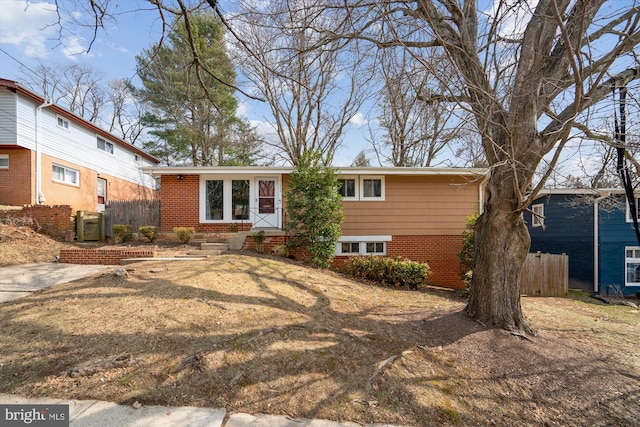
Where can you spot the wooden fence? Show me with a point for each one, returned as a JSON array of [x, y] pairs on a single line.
[[545, 275], [136, 213]]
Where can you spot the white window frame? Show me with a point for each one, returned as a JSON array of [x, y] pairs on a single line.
[[227, 205], [628, 209], [107, 146], [66, 170], [363, 178], [362, 245], [356, 185], [62, 122], [537, 215], [3, 164], [631, 255]]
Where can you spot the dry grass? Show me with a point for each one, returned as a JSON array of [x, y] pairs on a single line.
[[259, 334]]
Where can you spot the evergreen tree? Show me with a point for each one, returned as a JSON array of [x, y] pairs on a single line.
[[314, 208], [193, 112]]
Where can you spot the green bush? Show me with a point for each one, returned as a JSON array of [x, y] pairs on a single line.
[[121, 233], [148, 231], [466, 255], [185, 234], [396, 272], [258, 240]]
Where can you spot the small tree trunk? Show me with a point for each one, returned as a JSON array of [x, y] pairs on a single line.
[[502, 243]]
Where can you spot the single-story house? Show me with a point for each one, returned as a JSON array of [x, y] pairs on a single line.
[[593, 227], [416, 213], [51, 156]]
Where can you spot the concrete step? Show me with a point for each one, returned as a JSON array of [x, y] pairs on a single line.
[[214, 246], [212, 252]]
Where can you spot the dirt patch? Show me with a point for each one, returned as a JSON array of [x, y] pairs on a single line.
[[267, 335]]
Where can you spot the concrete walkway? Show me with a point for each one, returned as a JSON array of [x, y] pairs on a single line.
[[20, 280], [93, 413]]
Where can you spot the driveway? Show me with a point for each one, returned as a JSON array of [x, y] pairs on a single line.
[[20, 280]]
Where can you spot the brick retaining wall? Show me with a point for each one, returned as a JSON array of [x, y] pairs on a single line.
[[55, 221], [102, 256]]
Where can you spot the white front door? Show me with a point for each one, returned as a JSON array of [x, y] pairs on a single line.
[[102, 194], [267, 211]]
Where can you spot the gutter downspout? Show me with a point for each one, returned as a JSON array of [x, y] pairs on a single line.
[[596, 241], [40, 199]]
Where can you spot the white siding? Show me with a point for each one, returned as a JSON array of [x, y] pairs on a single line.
[[77, 144], [8, 131]]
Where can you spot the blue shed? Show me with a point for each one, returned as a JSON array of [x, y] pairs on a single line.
[[594, 228]]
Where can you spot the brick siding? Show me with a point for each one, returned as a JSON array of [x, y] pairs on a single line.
[[439, 252], [102, 256]]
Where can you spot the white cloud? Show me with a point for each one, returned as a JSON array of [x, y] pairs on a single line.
[[27, 25], [358, 120]]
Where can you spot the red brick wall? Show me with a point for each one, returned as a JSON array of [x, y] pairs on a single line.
[[17, 183], [102, 256], [440, 252], [180, 206], [55, 221]]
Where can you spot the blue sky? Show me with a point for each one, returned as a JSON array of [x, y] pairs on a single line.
[[28, 36]]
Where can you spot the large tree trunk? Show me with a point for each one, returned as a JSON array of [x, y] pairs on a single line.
[[501, 245]]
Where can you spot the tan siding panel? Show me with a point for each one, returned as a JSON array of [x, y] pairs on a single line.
[[424, 205]]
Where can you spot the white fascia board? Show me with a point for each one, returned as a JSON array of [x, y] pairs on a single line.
[[230, 170]]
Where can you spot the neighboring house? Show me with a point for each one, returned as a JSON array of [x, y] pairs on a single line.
[[595, 229], [51, 156], [417, 213]]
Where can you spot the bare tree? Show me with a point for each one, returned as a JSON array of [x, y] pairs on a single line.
[[126, 111], [312, 90], [415, 131], [73, 86]]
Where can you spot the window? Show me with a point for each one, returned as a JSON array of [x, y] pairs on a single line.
[[105, 145], [66, 175], [347, 188], [537, 215], [63, 123], [375, 248], [362, 245], [629, 219], [350, 248], [632, 265], [4, 161], [372, 188], [214, 200], [240, 199]]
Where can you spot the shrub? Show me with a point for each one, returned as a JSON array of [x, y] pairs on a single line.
[[314, 208], [148, 231], [396, 272], [258, 240], [185, 234], [121, 233], [466, 255]]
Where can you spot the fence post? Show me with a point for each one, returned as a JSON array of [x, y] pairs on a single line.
[[80, 226], [101, 227]]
